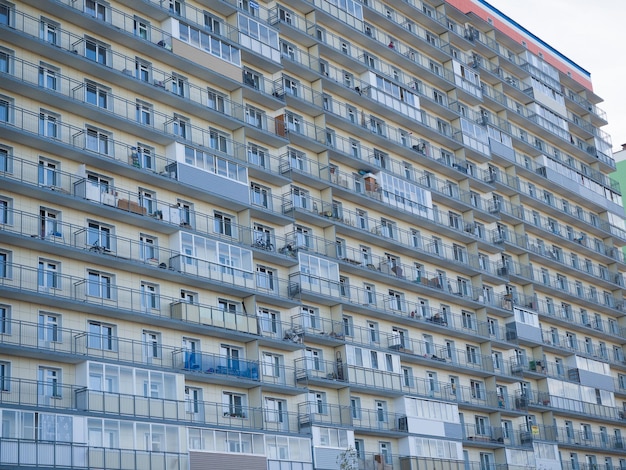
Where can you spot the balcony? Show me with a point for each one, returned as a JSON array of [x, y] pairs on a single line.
[[81, 293], [103, 154], [362, 420], [24, 453], [339, 375], [230, 371]]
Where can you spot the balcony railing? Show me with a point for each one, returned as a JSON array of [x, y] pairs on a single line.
[[322, 414], [106, 294], [222, 367], [24, 453]]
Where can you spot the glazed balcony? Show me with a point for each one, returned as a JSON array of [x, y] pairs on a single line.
[[362, 420]]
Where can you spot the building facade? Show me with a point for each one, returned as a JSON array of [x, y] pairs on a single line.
[[315, 234]]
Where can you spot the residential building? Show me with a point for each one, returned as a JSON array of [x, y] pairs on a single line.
[[314, 234]]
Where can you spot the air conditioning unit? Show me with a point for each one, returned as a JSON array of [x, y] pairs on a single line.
[[503, 271], [499, 239]]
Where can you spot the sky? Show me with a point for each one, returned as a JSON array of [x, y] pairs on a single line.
[[592, 33]]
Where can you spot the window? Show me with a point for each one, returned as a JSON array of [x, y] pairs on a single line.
[[216, 100], [373, 331], [310, 317], [377, 125], [6, 211], [472, 354], [180, 85], [5, 376], [252, 79], [260, 195], [186, 213], [224, 224], [313, 359], [317, 401], [96, 51], [49, 76], [348, 327], [476, 389], [188, 296], [255, 117], [144, 113], [48, 275], [5, 264], [147, 200], [48, 174], [263, 237], [374, 359], [193, 399], [49, 382], [99, 237], [257, 155], [149, 296], [228, 306], [97, 9], [50, 31], [290, 85], [98, 141], [49, 329], [272, 364], [275, 410], [100, 285], [180, 125], [5, 320], [143, 70], [101, 336], [234, 405], [355, 407], [6, 109], [266, 278], [218, 140], [269, 321], [141, 28], [293, 123], [151, 345]]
